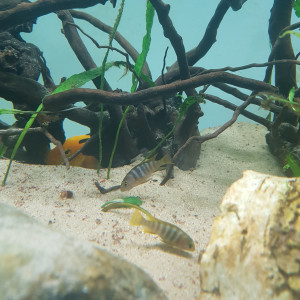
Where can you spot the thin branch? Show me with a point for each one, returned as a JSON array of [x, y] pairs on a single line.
[[194, 71], [202, 139], [247, 114], [25, 12], [47, 79], [164, 65], [252, 65], [129, 66], [59, 146], [118, 37]]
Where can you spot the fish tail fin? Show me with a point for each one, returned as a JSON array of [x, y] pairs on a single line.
[[136, 219]]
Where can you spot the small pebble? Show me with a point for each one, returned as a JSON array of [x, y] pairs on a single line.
[[66, 194]]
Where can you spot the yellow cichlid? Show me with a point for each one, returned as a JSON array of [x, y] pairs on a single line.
[[141, 173], [169, 233], [70, 146]]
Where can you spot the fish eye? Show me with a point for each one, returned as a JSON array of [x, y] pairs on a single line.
[[68, 151]]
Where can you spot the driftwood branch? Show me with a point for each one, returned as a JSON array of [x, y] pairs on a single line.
[[170, 32], [280, 18], [209, 37], [60, 100], [275, 48], [25, 12], [247, 114], [236, 4], [19, 89]]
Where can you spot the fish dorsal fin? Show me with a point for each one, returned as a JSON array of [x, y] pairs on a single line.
[[136, 218], [146, 160]]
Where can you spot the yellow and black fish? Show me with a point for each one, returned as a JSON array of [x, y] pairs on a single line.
[[141, 173], [169, 233]]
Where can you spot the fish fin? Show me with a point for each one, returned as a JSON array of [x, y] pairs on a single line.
[[146, 160], [136, 219], [165, 160], [83, 141]]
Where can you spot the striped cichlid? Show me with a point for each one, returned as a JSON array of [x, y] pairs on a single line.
[[141, 173], [169, 233]]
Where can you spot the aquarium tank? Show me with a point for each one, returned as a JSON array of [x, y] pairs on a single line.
[[140, 87]]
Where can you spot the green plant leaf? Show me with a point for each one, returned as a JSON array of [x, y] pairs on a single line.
[[138, 69], [4, 111], [78, 80], [116, 141], [290, 32], [296, 5], [293, 163], [3, 149], [146, 45], [110, 40], [132, 200], [20, 139]]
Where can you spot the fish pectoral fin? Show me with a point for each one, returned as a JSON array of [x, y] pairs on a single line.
[[148, 230]]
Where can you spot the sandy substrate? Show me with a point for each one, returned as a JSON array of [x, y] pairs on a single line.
[[190, 201]]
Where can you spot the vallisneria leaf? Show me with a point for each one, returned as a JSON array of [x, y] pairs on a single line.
[[138, 69], [296, 5], [146, 45], [20, 139], [7, 111], [110, 40], [132, 200]]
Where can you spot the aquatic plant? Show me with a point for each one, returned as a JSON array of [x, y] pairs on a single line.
[[155, 115]]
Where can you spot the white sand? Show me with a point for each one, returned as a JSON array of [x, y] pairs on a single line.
[[190, 201]]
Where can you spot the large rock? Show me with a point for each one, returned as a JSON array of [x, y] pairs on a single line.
[[39, 263], [254, 250]]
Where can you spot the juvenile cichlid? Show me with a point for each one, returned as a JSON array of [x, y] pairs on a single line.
[[169, 233], [141, 173]]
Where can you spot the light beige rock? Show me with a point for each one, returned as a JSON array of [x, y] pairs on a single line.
[[38, 263], [254, 249]]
